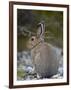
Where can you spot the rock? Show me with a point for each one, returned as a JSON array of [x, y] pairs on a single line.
[[60, 71], [57, 76], [30, 69]]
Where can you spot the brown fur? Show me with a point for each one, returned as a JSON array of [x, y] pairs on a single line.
[[44, 58]]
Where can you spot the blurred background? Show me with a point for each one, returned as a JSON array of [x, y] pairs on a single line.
[[27, 26]]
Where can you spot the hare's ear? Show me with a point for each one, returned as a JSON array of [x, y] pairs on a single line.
[[41, 29]]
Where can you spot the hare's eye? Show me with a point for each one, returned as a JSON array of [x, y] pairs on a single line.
[[32, 39]]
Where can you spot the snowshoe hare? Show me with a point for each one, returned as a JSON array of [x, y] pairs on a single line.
[[44, 56]]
